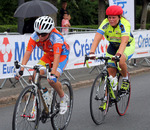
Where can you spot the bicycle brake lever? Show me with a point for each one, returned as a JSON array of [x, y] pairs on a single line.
[[16, 64], [85, 59]]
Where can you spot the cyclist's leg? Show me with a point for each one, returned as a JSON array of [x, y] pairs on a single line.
[[111, 51], [63, 61], [123, 65], [58, 87], [111, 71], [62, 64], [128, 53]]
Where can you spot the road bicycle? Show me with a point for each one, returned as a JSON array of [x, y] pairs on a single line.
[[102, 87], [31, 98]]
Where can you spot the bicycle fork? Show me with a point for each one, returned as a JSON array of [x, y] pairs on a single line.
[[110, 90], [27, 103]]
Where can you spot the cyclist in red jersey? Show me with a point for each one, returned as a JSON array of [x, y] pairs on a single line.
[[56, 51]]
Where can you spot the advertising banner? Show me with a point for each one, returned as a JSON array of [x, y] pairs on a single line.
[[142, 46], [128, 10], [80, 45], [13, 47]]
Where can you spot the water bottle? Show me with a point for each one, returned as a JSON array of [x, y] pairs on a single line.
[[113, 82], [46, 96]]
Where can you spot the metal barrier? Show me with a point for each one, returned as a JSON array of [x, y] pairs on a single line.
[[14, 82], [66, 72], [77, 30]]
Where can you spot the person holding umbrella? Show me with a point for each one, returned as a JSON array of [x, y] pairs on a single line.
[[56, 51]]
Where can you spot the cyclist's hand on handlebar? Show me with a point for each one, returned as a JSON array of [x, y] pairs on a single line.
[[19, 74], [116, 57], [92, 56], [52, 78]]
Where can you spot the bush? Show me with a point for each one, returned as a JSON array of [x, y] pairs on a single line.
[[138, 26], [12, 28], [85, 26]]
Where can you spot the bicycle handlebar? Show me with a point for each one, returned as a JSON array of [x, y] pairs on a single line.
[[35, 67], [102, 58]]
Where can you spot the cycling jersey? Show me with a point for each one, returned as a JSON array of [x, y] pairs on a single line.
[[113, 35], [54, 45]]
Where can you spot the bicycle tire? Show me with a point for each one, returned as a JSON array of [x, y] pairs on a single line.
[[124, 99], [21, 115], [97, 97], [61, 121]]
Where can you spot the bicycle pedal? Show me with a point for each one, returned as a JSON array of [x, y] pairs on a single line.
[[101, 109]]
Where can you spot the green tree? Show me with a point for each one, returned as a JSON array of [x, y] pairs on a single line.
[[7, 9], [83, 12], [144, 14]]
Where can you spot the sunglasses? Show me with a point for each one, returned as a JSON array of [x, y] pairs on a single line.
[[41, 34]]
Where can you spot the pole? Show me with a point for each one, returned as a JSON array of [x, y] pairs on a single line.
[[134, 61], [20, 20]]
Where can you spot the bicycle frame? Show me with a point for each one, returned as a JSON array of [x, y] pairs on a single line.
[[30, 107], [102, 95], [37, 86], [105, 72]]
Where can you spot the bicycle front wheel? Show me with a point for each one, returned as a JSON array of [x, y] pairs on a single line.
[[23, 109], [97, 98], [123, 98], [60, 122]]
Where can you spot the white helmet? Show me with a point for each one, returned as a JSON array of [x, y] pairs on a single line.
[[44, 24]]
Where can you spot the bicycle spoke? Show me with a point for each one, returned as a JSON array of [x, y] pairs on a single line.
[[124, 99], [96, 99], [61, 121], [22, 111]]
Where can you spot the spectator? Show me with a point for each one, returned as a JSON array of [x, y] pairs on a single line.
[[65, 23], [64, 10]]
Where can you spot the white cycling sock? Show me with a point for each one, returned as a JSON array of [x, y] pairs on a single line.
[[125, 77], [62, 98]]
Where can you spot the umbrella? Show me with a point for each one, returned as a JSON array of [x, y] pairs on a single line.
[[35, 8]]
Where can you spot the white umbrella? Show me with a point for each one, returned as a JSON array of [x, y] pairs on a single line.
[[35, 8]]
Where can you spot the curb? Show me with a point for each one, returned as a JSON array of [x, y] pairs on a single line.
[[12, 98]]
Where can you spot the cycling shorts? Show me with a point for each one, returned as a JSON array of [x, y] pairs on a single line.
[[128, 52], [48, 59]]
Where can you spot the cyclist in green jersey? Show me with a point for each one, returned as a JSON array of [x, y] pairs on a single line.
[[116, 30]]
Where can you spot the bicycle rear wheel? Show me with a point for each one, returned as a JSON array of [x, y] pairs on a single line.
[[123, 98], [97, 98], [22, 111], [61, 121]]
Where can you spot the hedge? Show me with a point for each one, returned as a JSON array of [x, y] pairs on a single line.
[[13, 28]]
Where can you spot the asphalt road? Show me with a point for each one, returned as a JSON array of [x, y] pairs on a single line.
[[136, 118]]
